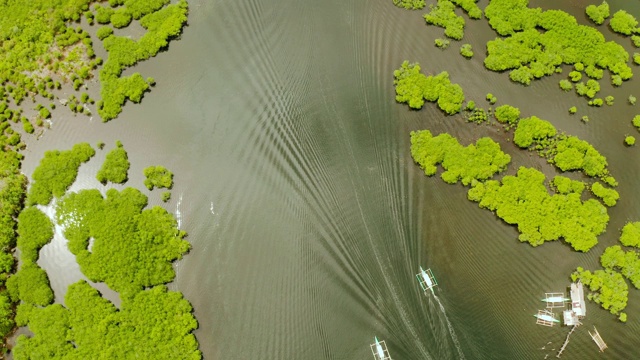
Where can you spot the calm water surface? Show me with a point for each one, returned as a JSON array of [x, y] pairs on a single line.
[[307, 216]]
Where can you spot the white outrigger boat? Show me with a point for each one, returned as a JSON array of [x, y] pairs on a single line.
[[426, 279], [380, 351], [546, 318], [555, 299]]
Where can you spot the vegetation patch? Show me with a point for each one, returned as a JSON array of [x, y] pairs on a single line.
[[161, 26], [537, 42], [56, 172], [132, 248], [466, 164], [413, 88], [35, 230], [599, 13], [158, 176], [523, 200], [151, 322], [623, 23], [609, 196], [409, 4], [115, 167]]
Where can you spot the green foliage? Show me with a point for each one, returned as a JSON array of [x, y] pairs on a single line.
[[636, 58], [467, 164], [609, 100], [523, 200], [626, 262], [442, 43], [629, 140], [414, 88], [507, 114], [103, 14], [115, 167], [104, 32], [6, 314], [44, 113], [56, 172], [27, 126], [154, 323], [471, 105], [571, 153], [596, 102], [632, 100], [608, 288], [622, 317], [491, 99], [531, 131], [478, 116], [443, 15], [631, 234], [564, 185], [470, 7], [585, 119], [599, 13], [166, 196], [466, 51], [573, 110], [158, 176], [589, 90], [623, 23], [566, 85], [636, 121], [409, 4], [594, 72], [35, 230], [537, 42], [608, 196], [31, 285], [616, 80], [575, 76], [132, 248], [124, 52], [121, 18]]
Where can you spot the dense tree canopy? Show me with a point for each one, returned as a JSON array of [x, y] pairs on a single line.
[[631, 234], [532, 54], [599, 13], [609, 196], [443, 15], [158, 176], [623, 23], [532, 131], [523, 200], [161, 25], [467, 164], [132, 247], [413, 88], [152, 322], [56, 172], [35, 230], [115, 167]]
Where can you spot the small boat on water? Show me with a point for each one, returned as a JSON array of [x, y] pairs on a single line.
[[555, 299], [426, 279], [379, 349], [546, 317]]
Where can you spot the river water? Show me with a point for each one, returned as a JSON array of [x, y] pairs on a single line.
[[307, 216]]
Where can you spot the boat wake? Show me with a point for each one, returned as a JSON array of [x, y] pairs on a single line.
[[452, 332]]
